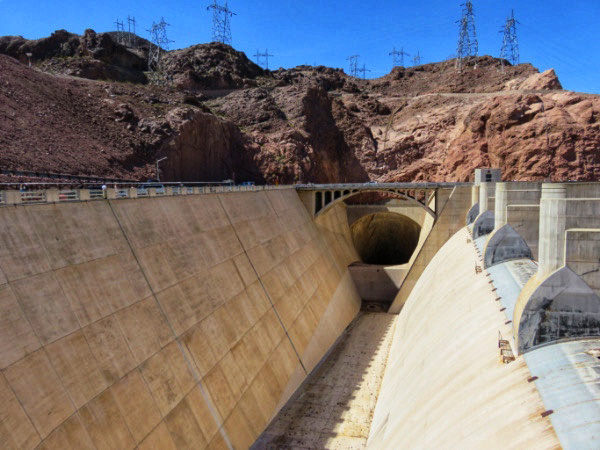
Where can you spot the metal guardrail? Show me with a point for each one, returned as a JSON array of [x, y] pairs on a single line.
[[377, 186], [33, 197], [68, 196], [95, 193]]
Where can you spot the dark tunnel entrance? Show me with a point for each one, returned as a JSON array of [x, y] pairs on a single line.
[[385, 238]]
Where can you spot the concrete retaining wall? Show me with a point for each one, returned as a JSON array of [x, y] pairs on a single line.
[[163, 322]]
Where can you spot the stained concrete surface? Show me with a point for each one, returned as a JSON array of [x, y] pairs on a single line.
[[334, 407]]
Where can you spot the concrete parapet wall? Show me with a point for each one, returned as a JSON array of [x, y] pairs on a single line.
[[163, 322]]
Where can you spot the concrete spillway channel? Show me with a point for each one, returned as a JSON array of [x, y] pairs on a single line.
[[334, 407]]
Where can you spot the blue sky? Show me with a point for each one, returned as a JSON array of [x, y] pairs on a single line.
[[552, 33]]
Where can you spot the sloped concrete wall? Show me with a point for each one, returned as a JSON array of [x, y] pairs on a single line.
[[445, 385], [177, 322], [452, 208]]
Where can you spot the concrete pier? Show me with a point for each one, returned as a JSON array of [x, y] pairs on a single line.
[[553, 222]]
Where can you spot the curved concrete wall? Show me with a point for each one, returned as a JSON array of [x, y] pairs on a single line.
[[445, 384], [178, 322]]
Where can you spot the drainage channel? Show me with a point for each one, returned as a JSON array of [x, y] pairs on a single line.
[[334, 407]]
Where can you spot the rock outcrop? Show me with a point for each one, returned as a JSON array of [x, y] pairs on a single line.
[[93, 56], [223, 117]]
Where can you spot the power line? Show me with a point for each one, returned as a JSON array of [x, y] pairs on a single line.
[[353, 65], [399, 56], [221, 27], [130, 25], [120, 32], [467, 36], [160, 43], [417, 59], [264, 55], [510, 43], [363, 70]]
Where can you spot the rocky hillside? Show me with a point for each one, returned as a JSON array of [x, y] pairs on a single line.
[[222, 116]]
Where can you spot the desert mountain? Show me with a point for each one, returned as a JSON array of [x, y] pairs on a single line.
[[216, 115]]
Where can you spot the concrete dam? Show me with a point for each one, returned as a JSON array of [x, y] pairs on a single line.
[[280, 318]]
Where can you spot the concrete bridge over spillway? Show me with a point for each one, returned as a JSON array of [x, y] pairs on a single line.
[[230, 316]]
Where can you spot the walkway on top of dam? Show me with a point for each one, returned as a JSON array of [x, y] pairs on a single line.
[[334, 406]]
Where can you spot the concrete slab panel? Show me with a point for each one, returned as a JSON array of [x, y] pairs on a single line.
[[207, 210], [245, 269], [244, 206], [303, 329], [143, 221], [144, 329], [218, 443], [239, 430], [168, 377], [17, 338], [46, 307], [136, 404], [76, 367], [40, 391], [235, 377], [73, 233], [218, 245], [161, 265], [21, 252], [224, 282], [216, 386], [105, 424], [187, 303], [200, 349], [71, 434], [204, 416], [110, 349], [160, 438], [101, 287], [16, 430]]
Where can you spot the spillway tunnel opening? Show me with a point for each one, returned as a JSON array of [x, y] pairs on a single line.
[[385, 242], [385, 238]]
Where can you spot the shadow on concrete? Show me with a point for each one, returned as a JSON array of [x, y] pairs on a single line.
[[334, 407]]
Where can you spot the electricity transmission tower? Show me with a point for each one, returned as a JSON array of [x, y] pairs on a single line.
[[120, 32], [160, 42], [353, 65], [399, 56], [510, 43], [467, 36], [265, 55], [221, 27], [363, 70], [132, 37], [417, 59]]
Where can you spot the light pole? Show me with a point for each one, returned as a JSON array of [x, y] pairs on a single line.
[[157, 170]]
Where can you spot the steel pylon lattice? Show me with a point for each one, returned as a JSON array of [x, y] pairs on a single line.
[[160, 43], [398, 57], [264, 55], [353, 65], [221, 28], [510, 43], [468, 47]]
